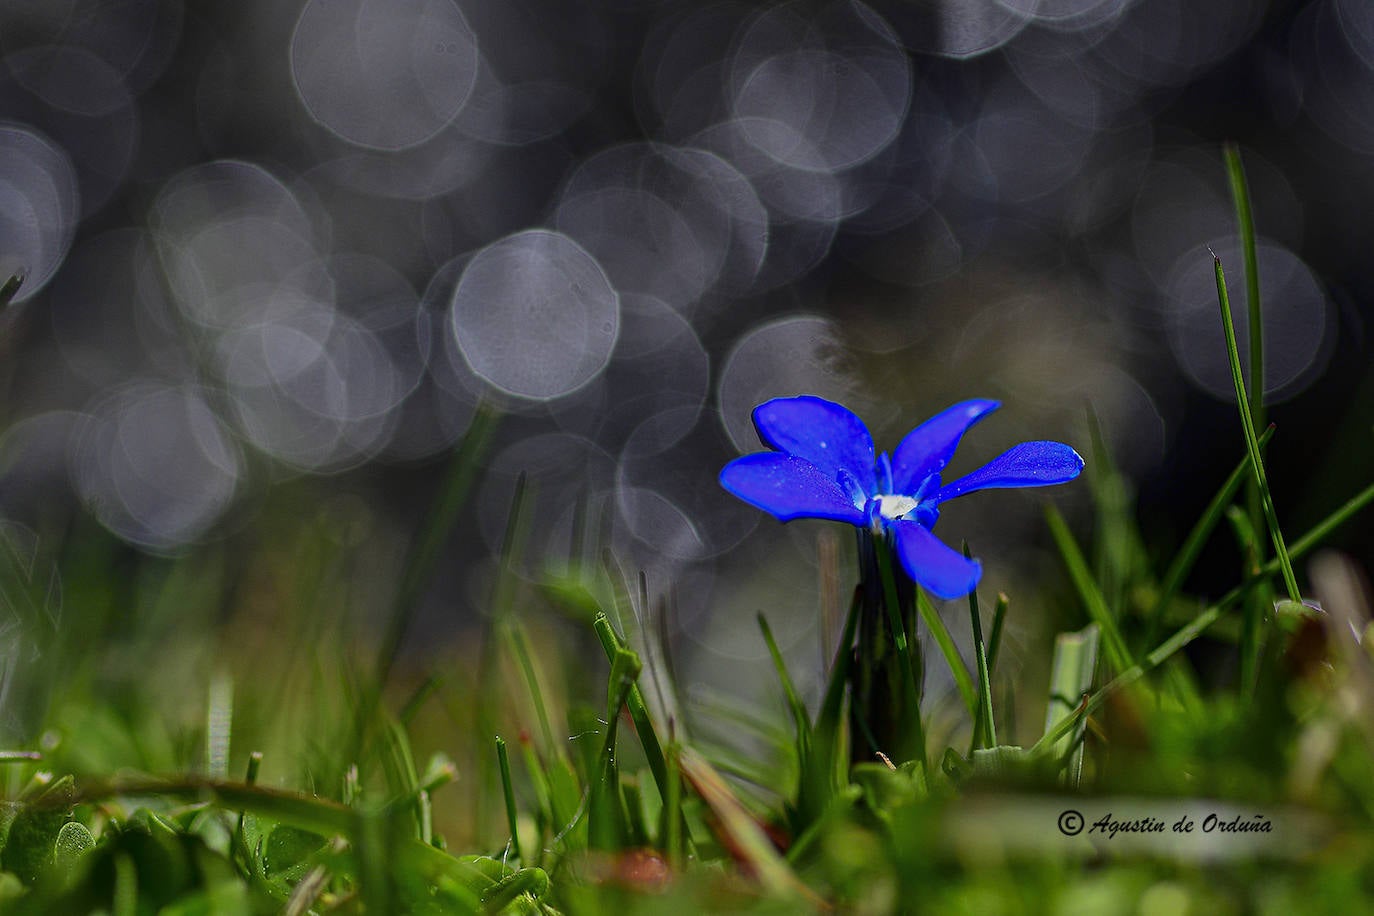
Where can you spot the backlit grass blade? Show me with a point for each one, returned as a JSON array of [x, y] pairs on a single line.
[[1245, 220], [1251, 440], [1118, 656]]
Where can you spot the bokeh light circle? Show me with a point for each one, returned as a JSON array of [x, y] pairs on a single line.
[[384, 75], [535, 316]]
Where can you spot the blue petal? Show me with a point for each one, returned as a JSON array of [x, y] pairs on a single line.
[[927, 448], [822, 432], [1030, 464], [934, 565], [789, 488]]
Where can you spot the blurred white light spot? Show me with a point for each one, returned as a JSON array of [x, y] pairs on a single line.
[[155, 466], [960, 29], [535, 316], [823, 89], [383, 75]]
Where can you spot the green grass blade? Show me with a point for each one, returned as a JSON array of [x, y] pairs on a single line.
[[606, 819], [1245, 220], [1071, 676], [639, 711], [1118, 656], [503, 764], [983, 725], [1251, 440]]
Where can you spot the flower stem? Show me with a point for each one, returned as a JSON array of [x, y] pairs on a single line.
[[885, 707]]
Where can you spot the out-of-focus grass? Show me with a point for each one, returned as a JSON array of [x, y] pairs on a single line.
[[225, 733]]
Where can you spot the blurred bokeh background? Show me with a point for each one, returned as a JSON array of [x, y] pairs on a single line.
[[276, 253]]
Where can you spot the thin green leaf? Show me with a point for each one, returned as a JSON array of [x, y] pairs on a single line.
[[639, 712], [503, 764]]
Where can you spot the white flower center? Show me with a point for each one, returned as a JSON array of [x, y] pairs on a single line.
[[894, 507]]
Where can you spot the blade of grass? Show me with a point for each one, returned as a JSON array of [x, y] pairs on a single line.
[[1245, 220], [639, 712], [1071, 676], [503, 764], [1118, 656], [1251, 440], [606, 818], [1260, 600], [983, 724]]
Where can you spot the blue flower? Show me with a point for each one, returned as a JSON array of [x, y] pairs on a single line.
[[823, 466]]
